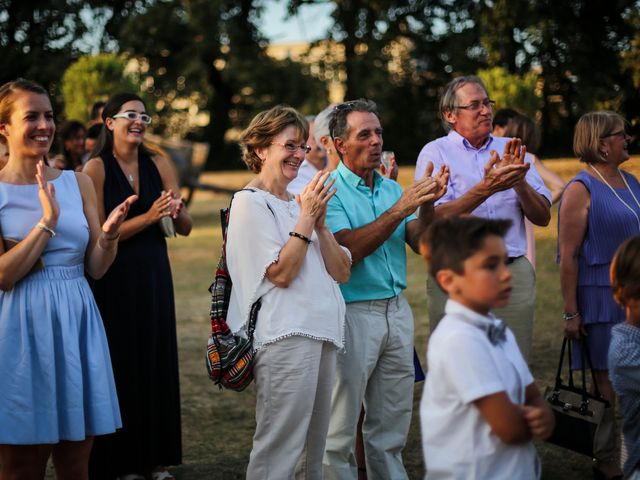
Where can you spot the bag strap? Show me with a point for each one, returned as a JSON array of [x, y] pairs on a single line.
[[561, 361], [585, 354], [586, 360], [224, 224]]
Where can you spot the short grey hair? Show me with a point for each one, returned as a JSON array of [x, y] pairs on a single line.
[[338, 126], [448, 100], [321, 124]]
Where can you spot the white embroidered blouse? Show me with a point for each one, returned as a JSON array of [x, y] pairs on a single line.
[[312, 305]]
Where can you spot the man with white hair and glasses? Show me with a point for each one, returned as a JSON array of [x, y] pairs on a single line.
[[485, 184]]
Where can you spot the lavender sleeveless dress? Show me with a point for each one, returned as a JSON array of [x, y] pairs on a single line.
[[609, 223], [56, 381]]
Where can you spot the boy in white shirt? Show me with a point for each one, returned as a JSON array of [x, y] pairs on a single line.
[[480, 407]]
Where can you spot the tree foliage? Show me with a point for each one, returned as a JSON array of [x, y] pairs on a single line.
[[511, 90], [584, 55], [204, 65], [208, 55], [93, 78]]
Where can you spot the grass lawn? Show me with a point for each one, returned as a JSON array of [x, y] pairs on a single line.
[[218, 425]]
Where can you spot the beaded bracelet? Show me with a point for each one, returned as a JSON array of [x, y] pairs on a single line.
[[300, 236], [570, 315], [46, 229]]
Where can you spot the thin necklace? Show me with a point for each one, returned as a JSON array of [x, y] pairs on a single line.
[[127, 174], [618, 196]]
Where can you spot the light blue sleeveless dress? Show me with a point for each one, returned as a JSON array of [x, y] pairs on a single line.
[[56, 381]]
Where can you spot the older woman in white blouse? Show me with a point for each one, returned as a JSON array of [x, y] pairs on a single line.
[[280, 251]]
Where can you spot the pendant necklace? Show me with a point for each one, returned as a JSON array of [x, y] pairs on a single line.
[[128, 175], [618, 196]]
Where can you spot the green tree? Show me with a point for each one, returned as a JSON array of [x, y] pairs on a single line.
[[510, 90], [208, 55], [93, 78], [38, 40]]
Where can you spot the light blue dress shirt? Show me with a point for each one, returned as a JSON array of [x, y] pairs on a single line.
[[383, 273], [466, 169]]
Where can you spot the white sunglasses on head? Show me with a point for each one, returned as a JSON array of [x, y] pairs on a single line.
[[133, 116]]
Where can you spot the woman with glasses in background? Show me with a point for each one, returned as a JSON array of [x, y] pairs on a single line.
[[280, 251], [600, 209], [136, 297]]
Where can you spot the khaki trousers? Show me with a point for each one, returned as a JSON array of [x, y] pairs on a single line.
[[294, 378], [377, 370], [518, 314]]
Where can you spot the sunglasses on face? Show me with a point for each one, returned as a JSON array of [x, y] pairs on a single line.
[[134, 116]]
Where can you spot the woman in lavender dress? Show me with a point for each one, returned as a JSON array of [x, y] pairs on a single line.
[[599, 210]]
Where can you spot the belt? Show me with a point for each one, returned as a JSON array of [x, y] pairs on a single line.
[[510, 260]]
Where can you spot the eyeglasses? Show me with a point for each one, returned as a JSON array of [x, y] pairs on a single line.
[[133, 116], [292, 147], [477, 105], [619, 133]]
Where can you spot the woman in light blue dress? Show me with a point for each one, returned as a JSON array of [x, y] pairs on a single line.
[[56, 384]]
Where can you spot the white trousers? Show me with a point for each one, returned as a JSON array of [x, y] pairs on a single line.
[[376, 370], [294, 378]]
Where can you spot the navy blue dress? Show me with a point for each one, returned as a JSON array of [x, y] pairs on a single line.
[[136, 301]]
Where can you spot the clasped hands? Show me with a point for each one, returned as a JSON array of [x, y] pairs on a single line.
[[506, 172]]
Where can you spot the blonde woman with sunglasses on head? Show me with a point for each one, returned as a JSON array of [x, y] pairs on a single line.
[[136, 297]]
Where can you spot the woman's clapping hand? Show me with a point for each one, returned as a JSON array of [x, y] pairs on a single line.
[[112, 224], [47, 197], [315, 196]]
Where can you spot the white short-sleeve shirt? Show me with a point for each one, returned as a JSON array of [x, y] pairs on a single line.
[[464, 366]]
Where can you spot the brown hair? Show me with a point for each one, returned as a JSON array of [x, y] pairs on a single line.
[[625, 271], [450, 241], [264, 127], [590, 129], [7, 97], [525, 129]]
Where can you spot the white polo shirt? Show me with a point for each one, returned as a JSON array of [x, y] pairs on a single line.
[[464, 366]]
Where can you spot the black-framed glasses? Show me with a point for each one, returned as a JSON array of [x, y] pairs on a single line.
[[292, 147], [620, 133], [477, 105], [133, 116]]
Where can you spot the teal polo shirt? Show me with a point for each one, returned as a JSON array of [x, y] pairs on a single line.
[[382, 274]]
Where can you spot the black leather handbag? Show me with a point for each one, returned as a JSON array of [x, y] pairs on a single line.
[[582, 423]]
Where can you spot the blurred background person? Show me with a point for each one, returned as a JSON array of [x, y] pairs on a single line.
[[71, 137], [599, 210], [524, 128], [323, 137], [314, 161], [95, 117], [56, 383], [90, 139], [136, 297], [500, 119]]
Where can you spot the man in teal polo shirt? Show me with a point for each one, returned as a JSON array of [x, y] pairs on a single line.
[[374, 218]]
